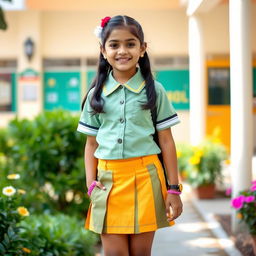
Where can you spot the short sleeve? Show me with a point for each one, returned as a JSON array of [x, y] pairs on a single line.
[[166, 114], [89, 123]]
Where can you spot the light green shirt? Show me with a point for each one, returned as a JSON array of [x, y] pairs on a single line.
[[125, 130]]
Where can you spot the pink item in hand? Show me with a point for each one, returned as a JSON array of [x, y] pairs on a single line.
[[93, 185]]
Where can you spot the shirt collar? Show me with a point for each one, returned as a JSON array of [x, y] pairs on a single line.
[[135, 84]]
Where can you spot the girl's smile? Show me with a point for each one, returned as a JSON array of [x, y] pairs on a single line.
[[122, 51]]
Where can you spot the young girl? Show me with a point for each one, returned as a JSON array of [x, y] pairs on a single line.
[[125, 179]]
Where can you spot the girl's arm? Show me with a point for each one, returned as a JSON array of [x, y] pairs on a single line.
[[169, 155], [90, 161], [168, 149]]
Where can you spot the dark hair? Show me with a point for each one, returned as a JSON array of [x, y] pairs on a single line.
[[104, 68]]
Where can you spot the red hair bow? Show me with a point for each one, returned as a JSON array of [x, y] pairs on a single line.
[[105, 21]]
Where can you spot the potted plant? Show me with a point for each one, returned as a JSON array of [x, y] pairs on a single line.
[[201, 166], [245, 204]]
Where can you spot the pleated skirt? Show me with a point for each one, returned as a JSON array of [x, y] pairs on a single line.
[[134, 199]]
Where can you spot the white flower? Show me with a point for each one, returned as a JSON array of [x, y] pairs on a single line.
[[13, 176], [97, 31], [9, 191]]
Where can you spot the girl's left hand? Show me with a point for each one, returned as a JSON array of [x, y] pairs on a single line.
[[173, 207]]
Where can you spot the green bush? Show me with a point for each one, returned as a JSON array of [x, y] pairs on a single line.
[[43, 162], [3, 140], [58, 235], [48, 153]]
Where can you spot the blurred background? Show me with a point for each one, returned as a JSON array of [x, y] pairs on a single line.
[[65, 52], [202, 51]]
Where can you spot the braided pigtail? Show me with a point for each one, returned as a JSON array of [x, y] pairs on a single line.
[[145, 68], [102, 73]]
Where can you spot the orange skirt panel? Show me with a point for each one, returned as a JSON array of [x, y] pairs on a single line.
[[134, 199]]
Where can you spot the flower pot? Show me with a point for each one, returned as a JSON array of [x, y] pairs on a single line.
[[205, 191]]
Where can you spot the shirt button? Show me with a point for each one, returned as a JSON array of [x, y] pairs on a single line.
[[121, 101], [119, 141], [121, 120]]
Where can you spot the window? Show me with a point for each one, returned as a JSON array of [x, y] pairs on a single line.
[[51, 63], [5, 92], [219, 86], [7, 85]]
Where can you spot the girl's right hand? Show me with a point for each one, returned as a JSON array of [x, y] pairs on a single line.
[[100, 185]]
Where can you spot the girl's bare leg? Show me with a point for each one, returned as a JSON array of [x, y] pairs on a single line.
[[115, 244], [140, 244]]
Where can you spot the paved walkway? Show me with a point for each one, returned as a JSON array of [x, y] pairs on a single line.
[[190, 236]]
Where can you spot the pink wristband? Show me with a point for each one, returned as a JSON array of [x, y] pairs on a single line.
[[92, 186], [173, 192]]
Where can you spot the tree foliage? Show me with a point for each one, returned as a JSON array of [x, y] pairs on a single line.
[[3, 24]]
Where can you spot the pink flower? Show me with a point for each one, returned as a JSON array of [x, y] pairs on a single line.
[[237, 202], [254, 182], [105, 21], [228, 191], [253, 187], [249, 199]]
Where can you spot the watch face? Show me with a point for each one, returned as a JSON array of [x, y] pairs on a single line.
[[178, 187]]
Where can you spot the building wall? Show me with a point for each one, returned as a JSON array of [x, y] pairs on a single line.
[[70, 34], [8, 38], [74, 31]]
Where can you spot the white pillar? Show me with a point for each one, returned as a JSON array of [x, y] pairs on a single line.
[[196, 81], [241, 98]]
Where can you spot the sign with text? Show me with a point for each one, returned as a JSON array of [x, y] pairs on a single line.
[[176, 84]]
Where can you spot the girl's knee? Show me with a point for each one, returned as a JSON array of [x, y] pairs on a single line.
[[115, 251], [141, 252], [141, 244], [115, 245]]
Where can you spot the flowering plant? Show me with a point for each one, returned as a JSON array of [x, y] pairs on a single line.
[[11, 243], [202, 164], [245, 204]]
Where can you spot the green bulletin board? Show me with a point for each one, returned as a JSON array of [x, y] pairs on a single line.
[[62, 90], [176, 83]]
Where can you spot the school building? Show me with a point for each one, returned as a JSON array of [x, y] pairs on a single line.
[[48, 57]]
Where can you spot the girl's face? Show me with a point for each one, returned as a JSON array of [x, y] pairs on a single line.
[[123, 50]]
